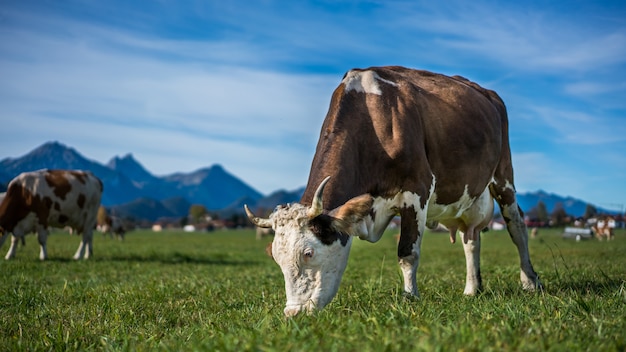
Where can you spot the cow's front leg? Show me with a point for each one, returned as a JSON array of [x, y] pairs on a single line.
[[80, 251], [14, 242], [473, 281], [411, 230], [42, 237]]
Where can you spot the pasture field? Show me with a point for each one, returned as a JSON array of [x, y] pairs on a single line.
[[176, 291]]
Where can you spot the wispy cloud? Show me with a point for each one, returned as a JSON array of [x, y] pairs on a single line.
[[204, 113], [186, 84], [581, 128], [518, 37]]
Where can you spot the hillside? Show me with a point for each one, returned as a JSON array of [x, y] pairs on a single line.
[[131, 190]]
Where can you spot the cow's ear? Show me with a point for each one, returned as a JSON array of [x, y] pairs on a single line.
[[350, 213], [268, 249]]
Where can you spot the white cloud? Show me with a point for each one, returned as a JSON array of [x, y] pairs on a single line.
[[519, 37], [242, 89], [533, 171], [581, 128], [172, 115]]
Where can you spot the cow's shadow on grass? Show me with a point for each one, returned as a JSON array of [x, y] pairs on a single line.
[[179, 258], [590, 286], [600, 286], [175, 258]]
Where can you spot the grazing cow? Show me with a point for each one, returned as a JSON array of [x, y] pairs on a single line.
[[398, 141], [2, 199], [41, 199], [113, 227], [603, 229], [534, 232], [262, 232]]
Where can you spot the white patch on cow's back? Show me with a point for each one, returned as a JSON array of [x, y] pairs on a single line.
[[364, 82]]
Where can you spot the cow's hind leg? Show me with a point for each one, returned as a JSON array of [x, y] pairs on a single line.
[[85, 249], [505, 197], [412, 227], [42, 237]]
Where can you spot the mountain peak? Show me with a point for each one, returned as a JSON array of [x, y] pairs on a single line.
[[127, 157], [131, 168], [217, 167], [52, 148], [50, 155]]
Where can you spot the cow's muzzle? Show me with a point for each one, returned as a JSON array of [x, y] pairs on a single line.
[[292, 310]]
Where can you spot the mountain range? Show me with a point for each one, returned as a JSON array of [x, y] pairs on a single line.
[[132, 191]]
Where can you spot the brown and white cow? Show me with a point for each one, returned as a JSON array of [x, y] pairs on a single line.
[[113, 227], [263, 231], [604, 229], [41, 199], [398, 141]]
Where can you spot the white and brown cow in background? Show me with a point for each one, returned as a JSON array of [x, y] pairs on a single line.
[[2, 199], [38, 200], [263, 232], [603, 228], [112, 226], [398, 141]]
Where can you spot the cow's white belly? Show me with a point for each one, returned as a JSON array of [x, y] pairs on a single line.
[[467, 212], [27, 225], [442, 212]]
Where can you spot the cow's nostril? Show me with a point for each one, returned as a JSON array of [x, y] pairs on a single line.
[[291, 311]]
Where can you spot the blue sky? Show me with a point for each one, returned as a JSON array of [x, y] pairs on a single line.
[[183, 85]]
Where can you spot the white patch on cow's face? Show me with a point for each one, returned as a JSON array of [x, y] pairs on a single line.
[[364, 82], [312, 269]]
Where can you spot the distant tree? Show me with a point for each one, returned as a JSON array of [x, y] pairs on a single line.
[[102, 215], [239, 220], [542, 212], [590, 211], [197, 212], [559, 215]]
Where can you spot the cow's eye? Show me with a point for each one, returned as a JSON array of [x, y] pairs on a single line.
[[308, 253]]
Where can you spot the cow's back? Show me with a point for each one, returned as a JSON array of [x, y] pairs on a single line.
[[410, 125], [52, 198]]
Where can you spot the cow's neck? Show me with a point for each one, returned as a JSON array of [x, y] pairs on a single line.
[[339, 190]]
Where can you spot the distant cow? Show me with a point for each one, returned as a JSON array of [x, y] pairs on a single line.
[[603, 229], [113, 227], [41, 199], [262, 232], [398, 141]]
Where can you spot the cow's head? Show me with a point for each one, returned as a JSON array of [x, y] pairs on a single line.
[[311, 246]]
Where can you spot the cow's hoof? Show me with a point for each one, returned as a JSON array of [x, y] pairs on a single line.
[[410, 297]]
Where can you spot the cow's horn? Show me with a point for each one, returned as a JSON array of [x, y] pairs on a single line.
[[318, 207], [260, 222]]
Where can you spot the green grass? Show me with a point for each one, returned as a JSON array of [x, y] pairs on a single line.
[[176, 291]]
